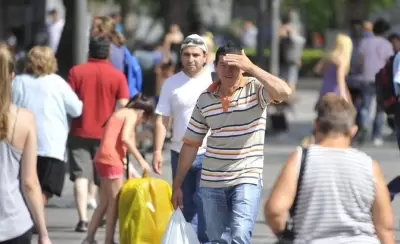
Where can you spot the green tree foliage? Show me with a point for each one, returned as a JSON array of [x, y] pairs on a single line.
[[319, 15]]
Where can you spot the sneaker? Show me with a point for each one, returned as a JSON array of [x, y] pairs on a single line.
[[377, 142], [82, 226], [92, 204], [87, 242], [361, 136]]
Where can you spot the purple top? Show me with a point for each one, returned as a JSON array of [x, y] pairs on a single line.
[[329, 81], [117, 57], [375, 52]]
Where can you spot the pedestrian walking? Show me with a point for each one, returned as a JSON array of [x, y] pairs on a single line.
[[233, 109], [334, 193], [118, 139], [100, 87], [21, 205], [177, 100], [57, 102], [373, 53]]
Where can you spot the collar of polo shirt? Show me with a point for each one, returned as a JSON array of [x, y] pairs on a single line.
[[215, 86]]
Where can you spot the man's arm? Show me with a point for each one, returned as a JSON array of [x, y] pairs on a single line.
[[277, 89], [186, 157], [122, 95], [163, 113], [196, 131], [160, 130]]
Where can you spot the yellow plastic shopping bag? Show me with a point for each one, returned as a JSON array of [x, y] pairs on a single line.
[[179, 231], [144, 210]]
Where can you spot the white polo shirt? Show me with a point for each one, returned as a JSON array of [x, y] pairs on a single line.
[[178, 97]]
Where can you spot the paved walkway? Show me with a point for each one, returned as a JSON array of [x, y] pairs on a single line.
[[62, 217]]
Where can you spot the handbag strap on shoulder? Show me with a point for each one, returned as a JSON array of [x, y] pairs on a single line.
[[303, 162]]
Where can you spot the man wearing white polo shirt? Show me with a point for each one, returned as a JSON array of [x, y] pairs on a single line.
[[178, 97]]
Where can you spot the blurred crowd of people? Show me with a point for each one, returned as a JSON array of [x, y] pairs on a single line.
[[210, 97]]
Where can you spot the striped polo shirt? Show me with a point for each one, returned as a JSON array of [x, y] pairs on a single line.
[[235, 147]]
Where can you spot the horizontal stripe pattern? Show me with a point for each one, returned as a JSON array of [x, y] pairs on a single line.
[[337, 184], [235, 147]]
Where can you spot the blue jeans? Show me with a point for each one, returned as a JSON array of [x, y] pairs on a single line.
[[368, 94], [192, 204], [394, 185], [233, 207]]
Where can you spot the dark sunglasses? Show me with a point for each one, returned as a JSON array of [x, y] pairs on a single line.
[[195, 41]]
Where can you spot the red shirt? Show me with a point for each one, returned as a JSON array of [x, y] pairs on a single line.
[[99, 86]]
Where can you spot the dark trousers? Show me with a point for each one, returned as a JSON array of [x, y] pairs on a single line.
[[22, 239], [394, 185], [192, 204]]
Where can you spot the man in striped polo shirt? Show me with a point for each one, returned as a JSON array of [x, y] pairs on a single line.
[[234, 110]]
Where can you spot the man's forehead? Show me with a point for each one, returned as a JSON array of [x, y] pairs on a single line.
[[192, 50]]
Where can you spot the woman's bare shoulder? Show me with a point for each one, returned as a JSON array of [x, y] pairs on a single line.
[[25, 116], [22, 119], [22, 122]]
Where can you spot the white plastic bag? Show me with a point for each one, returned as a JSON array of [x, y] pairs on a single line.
[[179, 231]]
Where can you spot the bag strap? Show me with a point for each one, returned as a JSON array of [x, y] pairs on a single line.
[[303, 161], [127, 166]]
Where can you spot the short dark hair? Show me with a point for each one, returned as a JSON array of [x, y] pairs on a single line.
[[380, 27], [141, 102], [53, 11], [99, 47], [335, 115], [286, 17], [228, 48], [394, 36], [354, 22]]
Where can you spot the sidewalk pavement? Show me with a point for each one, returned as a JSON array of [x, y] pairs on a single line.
[[62, 217]]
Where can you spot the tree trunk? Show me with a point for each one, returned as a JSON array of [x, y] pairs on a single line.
[[356, 10], [175, 13], [64, 53], [128, 19]]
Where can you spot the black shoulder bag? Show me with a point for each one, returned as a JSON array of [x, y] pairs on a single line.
[[288, 235]]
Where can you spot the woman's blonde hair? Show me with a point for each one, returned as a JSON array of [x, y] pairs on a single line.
[[6, 70], [40, 61], [342, 51], [208, 38], [106, 26]]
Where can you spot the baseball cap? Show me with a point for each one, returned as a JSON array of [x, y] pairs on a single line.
[[194, 40]]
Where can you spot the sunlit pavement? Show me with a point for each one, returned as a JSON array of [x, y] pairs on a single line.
[[62, 216]]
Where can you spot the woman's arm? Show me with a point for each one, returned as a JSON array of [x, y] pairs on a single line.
[[382, 214], [276, 209], [319, 67], [129, 139], [341, 79], [29, 179]]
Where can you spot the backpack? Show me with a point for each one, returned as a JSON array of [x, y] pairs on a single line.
[[133, 73], [386, 96], [286, 50], [144, 210]]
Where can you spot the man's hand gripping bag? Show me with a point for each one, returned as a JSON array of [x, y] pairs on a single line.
[[144, 210]]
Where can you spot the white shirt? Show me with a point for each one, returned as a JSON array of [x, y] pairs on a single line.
[[57, 100], [178, 97], [55, 31]]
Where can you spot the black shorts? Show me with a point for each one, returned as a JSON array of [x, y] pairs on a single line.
[[25, 238], [51, 174]]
